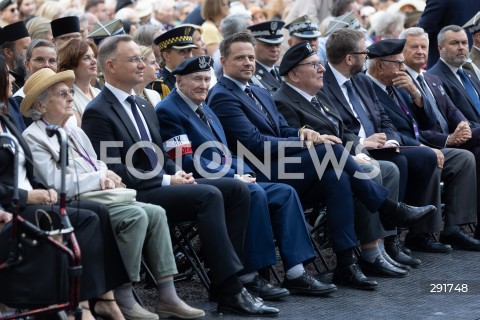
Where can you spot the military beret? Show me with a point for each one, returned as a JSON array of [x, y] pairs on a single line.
[[304, 27], [193, 64], [106, 28], [294, 56], [65, 25], [13, 32], [5, 3], [385, 48], [180, 37], [268, 31], [347, 20], [473, 25]]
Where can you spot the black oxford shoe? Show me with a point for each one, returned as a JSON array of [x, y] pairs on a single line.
[[243, 303], [353, 277], [380, 267], [426, 242], [261, 288], [307, 285], [461, 240], [394, 250], [405, 215]]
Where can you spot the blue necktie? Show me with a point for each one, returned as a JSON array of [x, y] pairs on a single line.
[[467, 84], [249, 93], [431, 107], [152, 156], [357, 106]]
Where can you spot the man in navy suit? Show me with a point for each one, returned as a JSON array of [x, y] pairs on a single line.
[[397, 92], [461, 85], [219, 207], [184, 117], [363, 114], [441, 13], [294, 101], [267, 52], [280, 153], [451, 128]]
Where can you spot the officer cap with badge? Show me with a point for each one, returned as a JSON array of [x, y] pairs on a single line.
[[294, 56], [178, 38], [384, 48], [473, 25], [304, 27], [347, 21], [193, 65], [268, 31]]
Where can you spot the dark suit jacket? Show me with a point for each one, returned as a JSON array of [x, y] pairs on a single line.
[[452, 114], [299, 112], [401, 121], [266, 79], [242, 119], [177, 118], [6, 167], [364, 87], [455, 90], [441, 13], [105, 119]]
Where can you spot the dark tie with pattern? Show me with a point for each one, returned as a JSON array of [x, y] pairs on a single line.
[[249, 92], [201, 114], [273, 72], [467, 84], [320, 107], [405, 110], [357, 106], [431, 107], [152, 156]]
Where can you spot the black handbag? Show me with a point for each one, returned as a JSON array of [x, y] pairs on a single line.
[[39, 276]]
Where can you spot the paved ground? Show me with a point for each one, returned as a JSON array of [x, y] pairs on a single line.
[[409, 298]]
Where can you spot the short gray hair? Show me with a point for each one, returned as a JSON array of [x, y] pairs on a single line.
[[33, 112], [234, 23], [386, 21], [441, 34], [145, 34], [108, 48], [37, 43], [413, 32]]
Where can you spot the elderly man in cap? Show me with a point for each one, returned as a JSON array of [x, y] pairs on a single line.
[[251, 121], [185, 117], [321, 114], [220, 207], [175, 46], [14, 40], [64, 29], [473, 26], [407, 109], [267, 52]]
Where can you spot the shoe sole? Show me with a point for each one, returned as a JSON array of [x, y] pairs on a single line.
[[168, 315], [304, 292], [234, 311]]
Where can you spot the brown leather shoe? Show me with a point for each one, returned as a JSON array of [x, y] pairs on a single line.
[[182, 311]]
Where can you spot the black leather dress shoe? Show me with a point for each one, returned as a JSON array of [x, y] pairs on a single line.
[[426, 242], [381, 268], [307, 285], [395, 252], [461, 240], [405, 215], [353, 277], [395, 263], [245, 304], [261, 288]]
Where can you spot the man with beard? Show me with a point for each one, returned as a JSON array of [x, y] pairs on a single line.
[[461, 85], [14, 40]]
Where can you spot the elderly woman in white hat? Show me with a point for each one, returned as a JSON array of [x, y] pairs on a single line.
[[137, 226]]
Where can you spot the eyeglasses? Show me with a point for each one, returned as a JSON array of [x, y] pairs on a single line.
[[316, 64], [361, 52], [136, 60], [12, 10], [64, 94], [43, 61], [399, 62]]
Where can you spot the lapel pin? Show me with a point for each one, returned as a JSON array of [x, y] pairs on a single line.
[[143, 106]]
